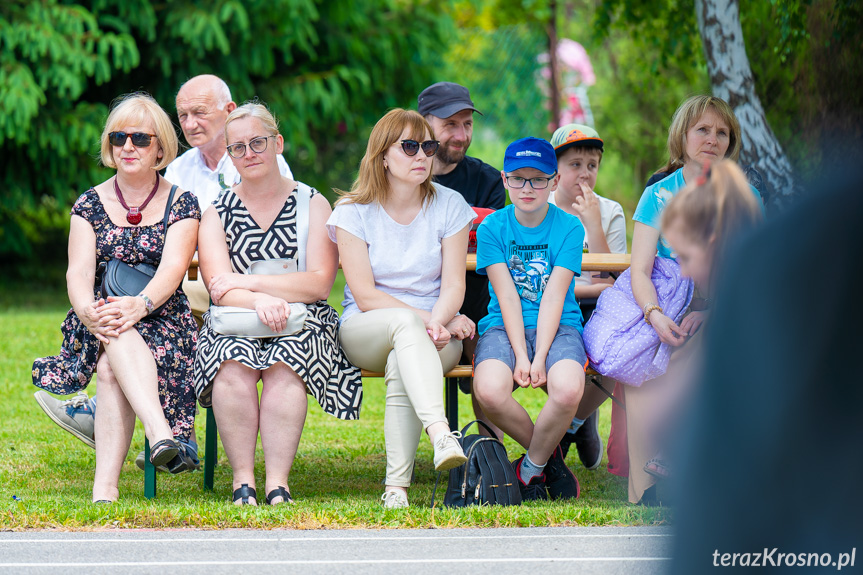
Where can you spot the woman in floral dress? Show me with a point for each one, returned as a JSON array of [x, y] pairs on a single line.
[[143, 362]]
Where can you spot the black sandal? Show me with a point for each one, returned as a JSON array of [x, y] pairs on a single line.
[[163, 451], [279, 492], [186, 459], [243, 493]]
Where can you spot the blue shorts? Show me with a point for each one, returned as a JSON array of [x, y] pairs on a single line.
[[567, 344]]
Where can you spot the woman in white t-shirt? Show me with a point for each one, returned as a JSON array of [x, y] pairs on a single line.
[[402, 242]]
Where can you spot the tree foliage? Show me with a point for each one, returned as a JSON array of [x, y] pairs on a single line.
[[804, 55], [327, 68]]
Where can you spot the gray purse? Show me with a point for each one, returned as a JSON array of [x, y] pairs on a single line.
[[244, 322]]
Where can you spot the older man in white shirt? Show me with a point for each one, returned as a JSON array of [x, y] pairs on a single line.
[[203, 105], [206, 170]]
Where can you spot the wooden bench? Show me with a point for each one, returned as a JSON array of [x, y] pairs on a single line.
[[590, 262]]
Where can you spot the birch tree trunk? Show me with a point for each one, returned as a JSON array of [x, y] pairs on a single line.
[[731, 79]]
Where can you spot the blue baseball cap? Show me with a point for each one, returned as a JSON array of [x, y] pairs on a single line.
[[530, 152]]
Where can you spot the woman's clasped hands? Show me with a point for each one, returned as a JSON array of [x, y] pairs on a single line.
[[111, 317]]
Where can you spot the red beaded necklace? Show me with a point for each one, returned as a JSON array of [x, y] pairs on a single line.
[[134, 216]]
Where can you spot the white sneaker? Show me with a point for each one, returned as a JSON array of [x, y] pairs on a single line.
[[447, 451], [395, 499]]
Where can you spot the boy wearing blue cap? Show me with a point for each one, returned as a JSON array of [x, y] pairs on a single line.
[[531, 251]]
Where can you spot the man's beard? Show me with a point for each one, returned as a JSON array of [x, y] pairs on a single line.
[[447, 156]]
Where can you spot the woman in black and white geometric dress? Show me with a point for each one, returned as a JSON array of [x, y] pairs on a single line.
[[257, 220]]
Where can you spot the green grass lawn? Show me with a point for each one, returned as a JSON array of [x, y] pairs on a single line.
[[46, 474]]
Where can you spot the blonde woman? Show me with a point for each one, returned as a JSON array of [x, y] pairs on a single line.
[[704, 129], [144, 362], [253, 221], [402, 242]]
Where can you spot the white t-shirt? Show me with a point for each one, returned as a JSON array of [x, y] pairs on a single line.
[[190, 172], [406, 260], [613, 226]]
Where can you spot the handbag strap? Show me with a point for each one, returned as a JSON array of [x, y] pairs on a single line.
[[168, 209], [304, 195]]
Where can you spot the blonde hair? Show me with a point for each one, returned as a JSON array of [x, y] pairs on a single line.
[[687, 114], [718, 206], [371, 185], [136, 110], [257, 110]]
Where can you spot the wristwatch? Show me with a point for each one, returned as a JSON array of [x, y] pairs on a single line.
[[148, 303]]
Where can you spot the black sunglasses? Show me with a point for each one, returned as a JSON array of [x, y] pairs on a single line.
[[139, 139], [411, 147]]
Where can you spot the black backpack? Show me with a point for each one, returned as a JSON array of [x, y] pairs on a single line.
[[487, 477]]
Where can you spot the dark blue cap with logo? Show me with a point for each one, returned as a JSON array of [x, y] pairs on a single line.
[[530, 152]]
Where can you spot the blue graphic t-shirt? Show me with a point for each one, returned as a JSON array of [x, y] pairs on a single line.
[[530, 254], [654, 200]]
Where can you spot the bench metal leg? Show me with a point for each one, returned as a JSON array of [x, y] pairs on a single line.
[[149, 473], [451, 401], [212, 442]]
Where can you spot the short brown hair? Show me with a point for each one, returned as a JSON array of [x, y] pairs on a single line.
[[689, 112], [371, 185], [137, 109], [588, 150]]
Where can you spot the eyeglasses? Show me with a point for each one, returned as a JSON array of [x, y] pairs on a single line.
[[139, 139], [411, 147], [258, 145], [517, 182]]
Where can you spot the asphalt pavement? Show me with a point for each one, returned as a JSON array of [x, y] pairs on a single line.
[[606, 550]]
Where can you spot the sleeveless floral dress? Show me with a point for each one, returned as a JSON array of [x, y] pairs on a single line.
[[314, 353], [171, 335]]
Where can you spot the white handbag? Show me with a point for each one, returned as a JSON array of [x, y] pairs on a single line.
[[240, 321]]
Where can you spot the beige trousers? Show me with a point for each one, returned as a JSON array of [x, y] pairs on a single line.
[[394, 341], [198, 297], [657, 400]]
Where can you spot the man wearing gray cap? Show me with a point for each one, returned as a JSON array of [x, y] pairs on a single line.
[[449, 110]]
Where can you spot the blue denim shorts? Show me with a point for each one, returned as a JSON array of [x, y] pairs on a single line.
[[567, 344]]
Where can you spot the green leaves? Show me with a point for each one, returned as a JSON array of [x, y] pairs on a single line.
[[327, 68], [51, 50]]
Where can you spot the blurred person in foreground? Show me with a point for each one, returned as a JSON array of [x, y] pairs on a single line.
[[771, 461]]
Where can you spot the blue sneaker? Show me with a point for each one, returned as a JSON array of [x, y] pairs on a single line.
[[76, 415]]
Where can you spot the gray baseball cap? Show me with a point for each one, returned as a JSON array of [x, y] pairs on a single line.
[[444, 99]]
